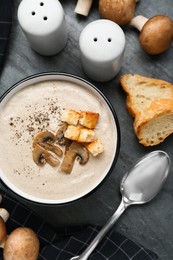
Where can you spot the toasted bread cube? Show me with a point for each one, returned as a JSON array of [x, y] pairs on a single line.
[[88, 119], [72, 132], [71, 117], [95, 148], [86, 135]]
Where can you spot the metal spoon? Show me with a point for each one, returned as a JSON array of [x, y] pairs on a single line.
[[139, 185]]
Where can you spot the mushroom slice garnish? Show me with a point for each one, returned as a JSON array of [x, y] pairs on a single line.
[[41, 156], [81, 152], [54, 162], [60, 134], [53, 148], [76, 150], [68, 162], [43, 137], [67, 144]]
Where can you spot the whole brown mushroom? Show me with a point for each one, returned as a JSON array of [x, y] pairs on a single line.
[[3, 232], [156, 33], [118, 11], [4, 216], [23, 244]]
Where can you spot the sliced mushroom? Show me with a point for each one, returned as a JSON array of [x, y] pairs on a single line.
[[54, 162], [43, 137], [41, 156], [53, 148], [60, 134], [68, 162], [81, 152], [67, 144], [75, 150]]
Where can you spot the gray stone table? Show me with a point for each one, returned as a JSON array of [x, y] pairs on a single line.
[[150, 224]]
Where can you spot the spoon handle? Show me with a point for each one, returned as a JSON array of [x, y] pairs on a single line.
[[103, 231]]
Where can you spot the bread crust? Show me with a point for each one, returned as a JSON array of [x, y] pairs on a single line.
[[95, 148], [141, 91], [86, 135], [150, 102], [159, 112], [88, 119], [70, 116]]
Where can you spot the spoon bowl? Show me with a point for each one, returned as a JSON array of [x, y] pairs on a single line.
[[139, 185], [146, 178]]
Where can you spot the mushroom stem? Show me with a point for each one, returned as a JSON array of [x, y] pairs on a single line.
[[76, 150], [83, 7], [3, 244], [4, 214], [138, 22]]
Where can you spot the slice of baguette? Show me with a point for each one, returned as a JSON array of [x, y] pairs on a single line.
[[141, 91], [155, 123]]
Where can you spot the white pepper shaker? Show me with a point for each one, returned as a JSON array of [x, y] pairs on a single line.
[[102, 45], [43, 23]]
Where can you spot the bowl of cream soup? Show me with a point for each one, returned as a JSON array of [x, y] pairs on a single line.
[[35, 105]]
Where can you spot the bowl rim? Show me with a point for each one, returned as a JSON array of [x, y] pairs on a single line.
[[117, 150]]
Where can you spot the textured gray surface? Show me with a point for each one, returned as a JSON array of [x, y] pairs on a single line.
[[150, 224]]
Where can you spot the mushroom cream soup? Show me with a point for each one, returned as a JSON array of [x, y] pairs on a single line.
[[38, 107]]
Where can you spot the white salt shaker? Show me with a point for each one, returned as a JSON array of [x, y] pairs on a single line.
[[43, 23], [102, 45]]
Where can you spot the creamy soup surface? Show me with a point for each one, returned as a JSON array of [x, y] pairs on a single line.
[[36, 108]]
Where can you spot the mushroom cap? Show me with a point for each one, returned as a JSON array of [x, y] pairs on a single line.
[[157, 34], [118, 11], [60, 134], [43, 137], [3, 230], [41, 156], [53, 148], [80, 151], [22, 244]]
